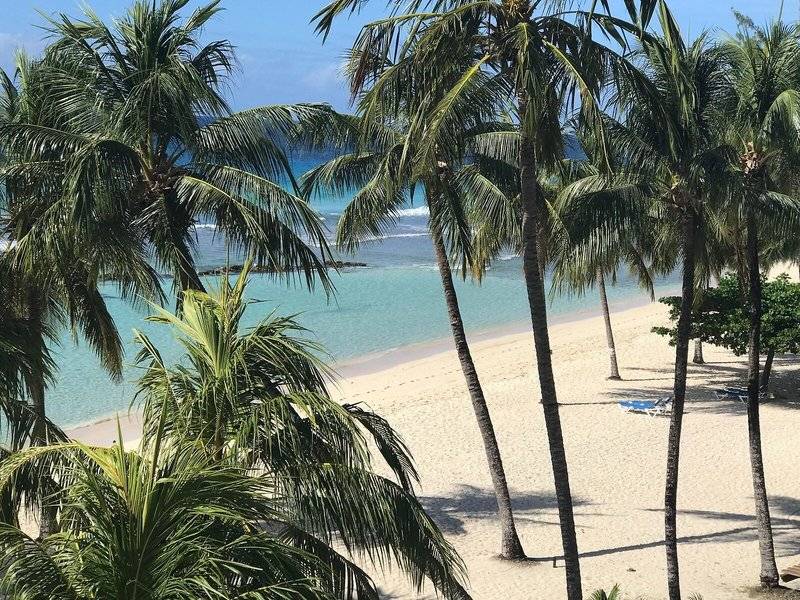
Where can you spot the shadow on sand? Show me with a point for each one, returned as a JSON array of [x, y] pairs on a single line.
[[475, 503], [703, 380]]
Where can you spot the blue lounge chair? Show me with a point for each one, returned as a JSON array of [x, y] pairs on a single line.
[[662, 406]]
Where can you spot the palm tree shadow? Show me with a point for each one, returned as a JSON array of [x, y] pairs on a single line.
[[784, 385], [662, 374], [474, 503], [384, 595], [785, 523], [707, 378]]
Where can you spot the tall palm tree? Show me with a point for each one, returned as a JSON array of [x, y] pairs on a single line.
[[612, 347], [257, 399], [669, 143], [169, 523], [52, 278], [583, 259], [765, 72], [575, 267], [540, 57], [139, 130], [384, 164], [24, 360], [573, 271]]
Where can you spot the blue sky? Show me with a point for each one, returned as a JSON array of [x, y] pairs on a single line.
[[281, 60]]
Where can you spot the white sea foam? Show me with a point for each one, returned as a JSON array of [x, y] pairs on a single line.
[[393, 236], [417, 211], [430, 267], [378, 238], [507, 256]]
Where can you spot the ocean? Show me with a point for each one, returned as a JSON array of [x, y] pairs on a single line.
[[394, 301]]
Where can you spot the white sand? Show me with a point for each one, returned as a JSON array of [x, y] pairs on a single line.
[[616, 462], [785, 268]]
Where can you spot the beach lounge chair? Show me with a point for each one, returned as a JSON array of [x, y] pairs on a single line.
[[662, 406], [790, 573], [739, 393]]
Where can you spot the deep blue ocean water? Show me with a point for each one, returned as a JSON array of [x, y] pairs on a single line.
[[393, 302]]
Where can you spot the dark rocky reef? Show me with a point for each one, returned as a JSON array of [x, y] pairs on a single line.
[[330, 264]]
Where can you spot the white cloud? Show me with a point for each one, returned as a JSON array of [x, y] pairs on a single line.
[[10, 43], [324, 77]]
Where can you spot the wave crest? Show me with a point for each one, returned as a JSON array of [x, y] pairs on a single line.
[[417, 211]]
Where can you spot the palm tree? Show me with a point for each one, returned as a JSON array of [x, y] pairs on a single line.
[[583, 259], [52, 278], [257, 399], [166, 523], [27, 368], [669, 143], [540, 58], [612, 347], [134, 121], [41, 309], [383, 164], [499, 230], [24, 360], [579, 260], [765, 110]]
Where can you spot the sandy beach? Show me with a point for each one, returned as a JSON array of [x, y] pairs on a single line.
[[243, 244], [616, 461]]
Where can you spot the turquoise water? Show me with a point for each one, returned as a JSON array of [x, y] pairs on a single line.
[[375, 309], [393, 302]]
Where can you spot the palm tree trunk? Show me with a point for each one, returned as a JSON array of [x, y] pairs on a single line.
[[48, 513], [767, 372], [48, 521], [769, 571], [698, 353], [534, 284], [510, 546], [612, 348], [679, 395]]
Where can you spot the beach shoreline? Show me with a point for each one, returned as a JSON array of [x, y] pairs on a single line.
[[380, 361], [103, 430], [616, 460]]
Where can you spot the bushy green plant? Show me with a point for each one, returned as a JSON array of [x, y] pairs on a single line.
[[722, 318], [257, 398], [169, 523]]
